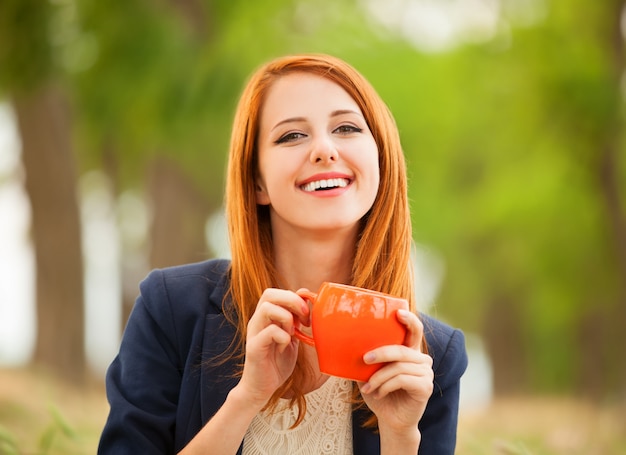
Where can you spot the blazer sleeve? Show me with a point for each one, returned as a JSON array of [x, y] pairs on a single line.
[[143, 410], [438, 426]]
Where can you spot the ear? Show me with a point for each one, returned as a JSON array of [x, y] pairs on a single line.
[[262, 197]]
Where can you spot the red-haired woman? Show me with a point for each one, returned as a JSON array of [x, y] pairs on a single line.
[[316, 191]]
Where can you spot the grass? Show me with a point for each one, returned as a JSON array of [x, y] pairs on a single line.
[[544, 426], [39, 416]]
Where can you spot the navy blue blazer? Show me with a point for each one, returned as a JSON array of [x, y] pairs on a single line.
[[162, 387]]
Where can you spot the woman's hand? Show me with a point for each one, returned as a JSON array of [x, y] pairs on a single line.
[[399, 391], [271, 350], [271, 354]]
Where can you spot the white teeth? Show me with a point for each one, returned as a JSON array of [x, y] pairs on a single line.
[[328, 183]]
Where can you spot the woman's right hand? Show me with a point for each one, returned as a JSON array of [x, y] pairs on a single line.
[[271, 354], [271, 348]]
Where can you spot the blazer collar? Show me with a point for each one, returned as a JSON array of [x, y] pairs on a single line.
[[220, 272]]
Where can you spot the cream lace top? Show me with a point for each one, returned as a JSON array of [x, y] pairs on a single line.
[[326, 428]]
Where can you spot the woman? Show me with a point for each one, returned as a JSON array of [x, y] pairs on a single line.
[[316, 191]]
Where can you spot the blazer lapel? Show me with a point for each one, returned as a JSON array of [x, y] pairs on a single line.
[[364, 440], [216, 378]]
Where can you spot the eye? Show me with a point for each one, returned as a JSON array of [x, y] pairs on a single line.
[[289, 137], [347, 129]]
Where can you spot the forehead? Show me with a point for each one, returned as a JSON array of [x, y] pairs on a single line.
[[303, 95]]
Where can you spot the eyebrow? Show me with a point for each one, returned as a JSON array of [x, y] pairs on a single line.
[[336, 113]]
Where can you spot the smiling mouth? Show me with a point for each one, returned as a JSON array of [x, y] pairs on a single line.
[[324, 185]]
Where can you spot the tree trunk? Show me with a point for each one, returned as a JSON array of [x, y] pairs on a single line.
[[44, 126], [179, 215], [608, 168], [503, 337]]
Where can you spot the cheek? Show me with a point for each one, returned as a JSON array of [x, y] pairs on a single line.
[[374, 165], [275, 177], [375, 186]]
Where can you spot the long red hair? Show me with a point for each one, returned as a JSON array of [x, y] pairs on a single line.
[[382, 253]]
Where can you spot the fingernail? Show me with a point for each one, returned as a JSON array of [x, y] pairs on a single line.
[[403, 314], [365, 388], [370, 357]]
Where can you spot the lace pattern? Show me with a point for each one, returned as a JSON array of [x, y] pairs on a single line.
[[326, 428]]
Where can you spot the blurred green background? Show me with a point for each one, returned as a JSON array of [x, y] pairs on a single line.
[[511, 114]]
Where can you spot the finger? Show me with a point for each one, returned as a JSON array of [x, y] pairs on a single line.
[[281, 338], [364, 387], [268, 313], [416, 385], [271, 336], [418, 365], [307, 303], [266, 310], [395, 353], [288, 300], [415, 329], [389, 370], [399, 375]]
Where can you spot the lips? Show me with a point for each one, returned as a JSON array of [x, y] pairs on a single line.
[[325, 184]]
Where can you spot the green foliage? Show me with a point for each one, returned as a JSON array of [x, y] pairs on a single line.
[[47, 439], [504, 143], [505, 140], [8, 445], [58, 426], [26, 48], [164, 85]]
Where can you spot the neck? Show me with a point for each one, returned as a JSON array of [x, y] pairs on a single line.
[[306, 260]]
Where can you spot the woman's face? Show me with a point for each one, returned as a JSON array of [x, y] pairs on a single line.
[[318, 161]]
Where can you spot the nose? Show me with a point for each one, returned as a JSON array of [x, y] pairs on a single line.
[[323, 150]]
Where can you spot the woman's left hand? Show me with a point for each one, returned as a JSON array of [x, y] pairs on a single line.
[[399, 391]]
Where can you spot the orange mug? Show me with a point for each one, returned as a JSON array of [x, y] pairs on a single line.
[[346, 323]]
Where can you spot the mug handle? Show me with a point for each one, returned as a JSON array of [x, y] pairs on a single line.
[[310, 296]]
